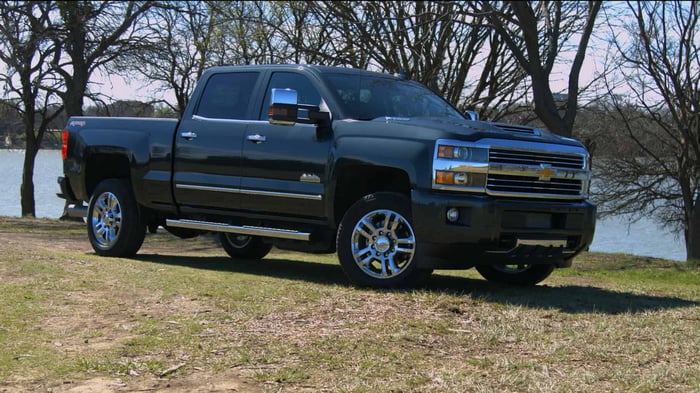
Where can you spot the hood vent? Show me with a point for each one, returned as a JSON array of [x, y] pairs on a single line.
[[516, 129]]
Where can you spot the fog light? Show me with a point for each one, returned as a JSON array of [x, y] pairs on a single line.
[[461, 179], [452, 214]]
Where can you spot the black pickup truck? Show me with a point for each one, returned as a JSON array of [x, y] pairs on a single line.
[[372, 166]]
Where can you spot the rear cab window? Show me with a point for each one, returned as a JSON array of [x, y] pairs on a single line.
[[228, 96]]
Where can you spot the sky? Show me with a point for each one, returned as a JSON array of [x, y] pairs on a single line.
[[119, 88]]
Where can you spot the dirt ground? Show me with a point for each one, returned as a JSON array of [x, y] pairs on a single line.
[[183, 317], [112, 328]]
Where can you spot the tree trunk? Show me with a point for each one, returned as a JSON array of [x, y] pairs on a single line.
[[73, 106], [27, 188], [73, 97], [692, 235], [545, 107]]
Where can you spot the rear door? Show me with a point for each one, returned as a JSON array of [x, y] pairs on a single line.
[[285, 166], [207, 169]]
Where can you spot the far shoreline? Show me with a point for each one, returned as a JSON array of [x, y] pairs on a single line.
[[23, 148]]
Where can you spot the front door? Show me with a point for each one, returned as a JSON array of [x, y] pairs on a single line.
[[285, 166]]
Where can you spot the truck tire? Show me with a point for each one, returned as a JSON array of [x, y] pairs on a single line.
[[376, 244], [115, 227], [243, 246], [182, 233], [515, 274]]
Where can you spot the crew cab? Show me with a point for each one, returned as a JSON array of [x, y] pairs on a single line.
[[372, 166]]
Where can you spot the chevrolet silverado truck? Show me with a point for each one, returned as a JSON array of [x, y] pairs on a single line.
[[317, 159]]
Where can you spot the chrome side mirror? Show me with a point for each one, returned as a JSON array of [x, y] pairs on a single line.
[[284, 109], [472, 115]]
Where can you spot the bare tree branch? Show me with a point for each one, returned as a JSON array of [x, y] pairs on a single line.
[[655, 169]]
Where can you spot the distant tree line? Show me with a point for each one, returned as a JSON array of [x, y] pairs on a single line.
[[639, 116], [13, 135]]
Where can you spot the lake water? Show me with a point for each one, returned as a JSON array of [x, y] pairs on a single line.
[[614, 235]]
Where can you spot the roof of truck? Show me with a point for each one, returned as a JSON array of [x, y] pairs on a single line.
[[301, 67]]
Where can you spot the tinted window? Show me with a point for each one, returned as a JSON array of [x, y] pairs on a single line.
[[367, 98], [307, 93], [227, 96]]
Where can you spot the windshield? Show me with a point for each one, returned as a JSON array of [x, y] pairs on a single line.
[[369, 97]]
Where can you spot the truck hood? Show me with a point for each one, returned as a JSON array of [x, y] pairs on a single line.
[[446, 128]]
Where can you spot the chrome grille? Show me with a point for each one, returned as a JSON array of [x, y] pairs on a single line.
[[516, 172], [532, 185], [517, 168], [516, 157]]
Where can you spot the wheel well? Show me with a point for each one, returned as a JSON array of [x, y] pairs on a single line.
[[356, 181], [104, 166]]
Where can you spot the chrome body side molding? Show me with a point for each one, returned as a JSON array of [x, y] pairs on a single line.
[[241, 230]]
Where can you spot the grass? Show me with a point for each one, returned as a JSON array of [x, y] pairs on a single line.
[[182, 315]]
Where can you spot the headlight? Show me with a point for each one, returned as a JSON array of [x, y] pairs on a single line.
[[460, 166], [463, 153]]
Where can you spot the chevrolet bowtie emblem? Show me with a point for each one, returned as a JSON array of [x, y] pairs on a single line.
[[546, 173]]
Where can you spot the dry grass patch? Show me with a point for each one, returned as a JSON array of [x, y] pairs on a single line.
[[184, 317]]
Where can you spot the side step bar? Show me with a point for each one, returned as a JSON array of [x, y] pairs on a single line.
[[241, 230]]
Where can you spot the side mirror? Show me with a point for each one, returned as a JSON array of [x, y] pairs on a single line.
[[472, 115], [283, 107]]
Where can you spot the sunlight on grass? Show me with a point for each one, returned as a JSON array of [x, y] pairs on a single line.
[[291, 322]]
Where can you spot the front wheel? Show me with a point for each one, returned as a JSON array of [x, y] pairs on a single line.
[[376, 244], [244, 246], [114, 225], [516, 274]]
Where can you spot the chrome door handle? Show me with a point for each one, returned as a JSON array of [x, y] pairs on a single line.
[[257, 138], [189, 135]]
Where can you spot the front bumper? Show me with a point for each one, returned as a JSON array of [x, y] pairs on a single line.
[[498, 230]]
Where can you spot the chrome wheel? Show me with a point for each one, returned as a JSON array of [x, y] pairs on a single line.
[[383, 244], [106, 220], [514, 268], [114, 225], [376, 244], [516, 273], [244, 246], [238, 241]]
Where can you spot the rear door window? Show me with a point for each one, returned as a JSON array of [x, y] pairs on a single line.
[[228, 96]]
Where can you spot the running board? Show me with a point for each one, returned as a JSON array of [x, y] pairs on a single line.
[[240, 230]]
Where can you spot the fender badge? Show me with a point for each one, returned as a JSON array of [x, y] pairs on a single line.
[[310, 178]]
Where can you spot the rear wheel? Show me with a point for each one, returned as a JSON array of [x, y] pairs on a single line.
[[376, 244], [516, 274], [244, 246], [115, 227], [182, 233]]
